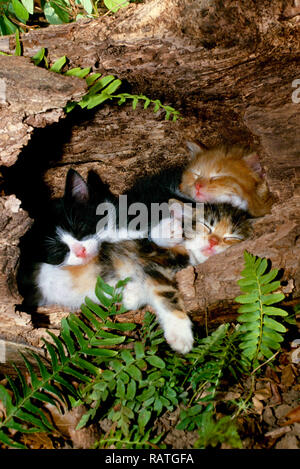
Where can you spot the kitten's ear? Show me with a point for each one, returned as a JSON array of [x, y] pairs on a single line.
[[194, 149], [178, 209], [252, 161], [76, 188]]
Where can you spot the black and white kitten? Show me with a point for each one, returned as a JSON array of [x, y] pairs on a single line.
[[64, 234]]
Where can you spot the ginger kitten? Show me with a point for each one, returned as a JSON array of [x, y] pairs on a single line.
[[226, 174]]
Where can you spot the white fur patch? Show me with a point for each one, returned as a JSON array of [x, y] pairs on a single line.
[[90, 243], [177, 331], [56, 287], [234, 200], [167, 233]]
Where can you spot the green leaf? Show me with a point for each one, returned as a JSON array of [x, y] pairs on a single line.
[[131, 390], [120, 392], [108, 289], [249, 298], [267, 278], [83, 421], [6, 26], [250, 351], [29, 5], [147, 102], [96, 309], [248, 343], [263, 264], [90, 80], [60, 348], [249, 308], [272, 324], [115, 5], [251, 335], [95, 100], [272, 344], [87, 5], [50, 15], [139, 350], [246, 282], [100, 352], [143, 419], [39, 56], [112, 87], [101, 84], [124, 377], [266, 351], [122, 326], [78, 72], [66, 335], [7, 441], [21, 12], [273, 311], [61, 9], [6, 400], [70, 106], [249, 317], [156, 361], [270, 299], [102, 296], [134, 372], [127, 356], [18, 51], [157, 105], [269, 287]]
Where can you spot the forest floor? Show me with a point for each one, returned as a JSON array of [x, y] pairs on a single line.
[[271, 420]]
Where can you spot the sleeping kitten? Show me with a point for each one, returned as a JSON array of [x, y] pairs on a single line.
[[220, 175], [226, 174], [63, 234], [68, 272]]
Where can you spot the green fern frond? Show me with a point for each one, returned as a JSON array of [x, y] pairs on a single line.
[[101, 89], [138, 383], [135, 440], [212, 356], [261, 334]]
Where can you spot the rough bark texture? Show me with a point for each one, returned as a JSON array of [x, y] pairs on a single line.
[[228, 67]]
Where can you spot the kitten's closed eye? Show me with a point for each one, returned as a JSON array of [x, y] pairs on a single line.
[[55, 251]]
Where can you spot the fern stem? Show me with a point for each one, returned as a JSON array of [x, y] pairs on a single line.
[[264, 363], [261, 319]]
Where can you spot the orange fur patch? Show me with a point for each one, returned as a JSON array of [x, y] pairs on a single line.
[[84, 276], [179, 314], [234, 177]]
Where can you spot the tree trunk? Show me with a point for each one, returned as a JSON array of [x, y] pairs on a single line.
[[228, 67]]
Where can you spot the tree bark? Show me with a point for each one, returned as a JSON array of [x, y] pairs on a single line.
[[228, 67]]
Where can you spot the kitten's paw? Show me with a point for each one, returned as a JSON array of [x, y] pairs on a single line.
[[179, 335], [167, 233]]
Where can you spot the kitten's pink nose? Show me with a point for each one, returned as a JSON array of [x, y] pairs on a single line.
[[79, 251], [198, 186], [213, 241]]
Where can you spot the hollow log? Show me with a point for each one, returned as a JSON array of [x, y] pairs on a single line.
[[230, 68]]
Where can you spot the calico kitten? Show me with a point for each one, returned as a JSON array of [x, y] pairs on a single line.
[[226, 174], [68, 273]]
